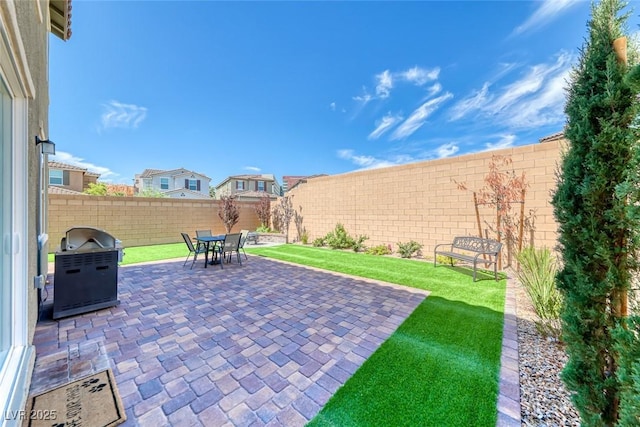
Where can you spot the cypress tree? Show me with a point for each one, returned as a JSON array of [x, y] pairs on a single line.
[[593, 204]]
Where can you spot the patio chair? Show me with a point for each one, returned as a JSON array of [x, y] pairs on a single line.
[[195, 251], [243, 239], [203, 233], [230, 245]]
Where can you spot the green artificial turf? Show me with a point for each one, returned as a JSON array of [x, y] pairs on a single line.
[[137, 254], [441, 367]]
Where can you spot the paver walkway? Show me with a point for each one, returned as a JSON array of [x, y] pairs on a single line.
[[264, 343]]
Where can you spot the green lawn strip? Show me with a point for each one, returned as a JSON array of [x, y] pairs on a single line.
[[136, 254], [440, 367]]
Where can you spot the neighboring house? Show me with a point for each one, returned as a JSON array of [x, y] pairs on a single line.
[[175, 183], [289, 182], [249, 187], [70, 177], [24, 114]]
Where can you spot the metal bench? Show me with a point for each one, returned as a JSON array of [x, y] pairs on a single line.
[[481, 250], [252, 237]]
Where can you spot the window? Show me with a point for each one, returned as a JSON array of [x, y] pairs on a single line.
[[193, 185], [239, 185], [56, 177], [164, 183], [6, 214], [261, 186]]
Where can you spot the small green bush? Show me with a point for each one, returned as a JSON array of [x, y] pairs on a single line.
[[441, 259], [358, 244], [379, 250], [318, 242], [407, 250], [305, 237], [263, 229], [339, 238], [537, 274]]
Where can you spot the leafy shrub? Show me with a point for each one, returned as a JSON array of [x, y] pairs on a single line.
[[318, 242], [537, 274], [304, 237], [442, 259], [406, 250], [379, 250], [263, 229], [358, 244], [339, 238]]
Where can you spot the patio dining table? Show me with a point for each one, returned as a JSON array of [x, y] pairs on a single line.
[[208, 240]]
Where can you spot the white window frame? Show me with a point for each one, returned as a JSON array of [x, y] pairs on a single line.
[[162, 180], [15, 72], [51, 176], [262, 187], [193, 184], [239, 185]]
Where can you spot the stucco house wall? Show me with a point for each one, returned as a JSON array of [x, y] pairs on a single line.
[[24, 63]]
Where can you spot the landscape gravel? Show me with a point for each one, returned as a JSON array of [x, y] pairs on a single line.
[[544, 400]]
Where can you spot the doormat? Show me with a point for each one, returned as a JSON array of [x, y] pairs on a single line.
[[91, 401]]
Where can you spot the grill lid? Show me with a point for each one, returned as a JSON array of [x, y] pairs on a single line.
[[85, 238]]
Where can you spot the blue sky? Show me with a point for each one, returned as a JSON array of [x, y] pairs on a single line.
[[302, 88]]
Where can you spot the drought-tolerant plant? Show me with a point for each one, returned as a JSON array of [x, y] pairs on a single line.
[[443, 259], [379, 250], [537, 273], [407, 250], [282, 213], [228, 212], [339, 238], [305, 237], [263, 210], [263, 229], [318, 242], [358, 243]]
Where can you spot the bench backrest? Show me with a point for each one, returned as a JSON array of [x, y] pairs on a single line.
[[477, 244]]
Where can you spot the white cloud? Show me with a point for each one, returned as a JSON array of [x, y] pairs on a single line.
[[546, 12], [419, 116], [365, 98], [364, 162], [535, 99], [447, 150], [384, 124], [119, 115], [475, 101], [252, 168], [505, 141], [385, 83], [332, 106], [70, 159], [434, 89], [419, 76]]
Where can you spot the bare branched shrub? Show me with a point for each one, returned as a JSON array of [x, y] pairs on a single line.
[[228, 212], [263, 210]]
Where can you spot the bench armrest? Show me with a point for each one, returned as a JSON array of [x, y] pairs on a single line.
[[444, 244]]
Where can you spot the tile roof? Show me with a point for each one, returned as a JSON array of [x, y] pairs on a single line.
[[61, 190], [148, 173], [254, 194], [65, 166], [553, 137]]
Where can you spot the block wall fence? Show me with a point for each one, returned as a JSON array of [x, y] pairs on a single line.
[[138, 221], [421, 201]]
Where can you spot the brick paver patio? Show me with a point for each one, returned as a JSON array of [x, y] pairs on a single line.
[[265, 343]]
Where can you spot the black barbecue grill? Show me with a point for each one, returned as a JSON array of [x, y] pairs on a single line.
[[86, 274]]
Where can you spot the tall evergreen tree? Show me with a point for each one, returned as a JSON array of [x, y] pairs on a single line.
[[597, 228]]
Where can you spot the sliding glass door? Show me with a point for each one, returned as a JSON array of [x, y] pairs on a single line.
[[5, 222]]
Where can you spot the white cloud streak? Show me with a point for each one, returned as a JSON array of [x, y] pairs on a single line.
[[447, 150], [63, 157], [536, 99], [332, 106], [419, 76], [505, 141], [419, 116], [546, 12], [384, 124], [252, 168], [119, 115], [368, 162], [385, 83]]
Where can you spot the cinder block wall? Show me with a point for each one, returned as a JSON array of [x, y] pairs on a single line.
[[138, 221], [421, 201]]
